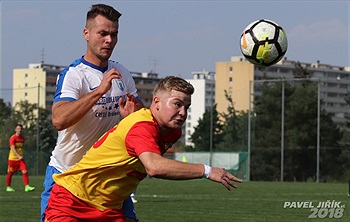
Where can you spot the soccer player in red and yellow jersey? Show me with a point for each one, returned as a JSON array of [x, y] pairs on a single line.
[[95, 188], [16, 161]]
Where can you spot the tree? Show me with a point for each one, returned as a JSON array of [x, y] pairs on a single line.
[[35, 130], [265, 152], [300, 133], [346, 141], [201, 136], [7, 124], [233, 129], [27, 114]]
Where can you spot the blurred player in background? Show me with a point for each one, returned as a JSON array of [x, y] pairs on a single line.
[[95, 188], [16, 161], [92, 95]]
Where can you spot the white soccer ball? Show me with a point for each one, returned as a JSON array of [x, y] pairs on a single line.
[[263, 42]]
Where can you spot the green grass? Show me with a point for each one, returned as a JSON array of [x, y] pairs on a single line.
[[196, 200]]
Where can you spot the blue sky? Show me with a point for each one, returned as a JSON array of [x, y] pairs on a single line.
[[169, 37]]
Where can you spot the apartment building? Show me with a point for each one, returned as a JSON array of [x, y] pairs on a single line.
[[239, 76], [36, 84], [203, 98], [145, 83]]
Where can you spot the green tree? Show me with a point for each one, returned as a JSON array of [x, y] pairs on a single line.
[[27, 114], [234, 129], [201, 136], [300, 133], [35, 129], [265, 152], [7, 124], [346, 141]]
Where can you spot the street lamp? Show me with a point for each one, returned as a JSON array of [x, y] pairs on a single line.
[[212, 82]]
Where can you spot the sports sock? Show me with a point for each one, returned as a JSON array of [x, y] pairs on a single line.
[[25, 179], [8, 179]]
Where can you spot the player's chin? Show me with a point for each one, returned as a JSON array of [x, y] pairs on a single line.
[[105, 55]]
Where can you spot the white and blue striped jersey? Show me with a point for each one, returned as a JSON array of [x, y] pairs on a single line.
[[77, 80]]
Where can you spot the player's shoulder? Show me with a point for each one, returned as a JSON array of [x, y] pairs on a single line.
[[74, 64], [13, 136], [118, 66], [73, 67], [143, 116]]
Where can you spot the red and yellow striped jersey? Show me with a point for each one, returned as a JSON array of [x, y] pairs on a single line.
[[18, 142], [111, 170]]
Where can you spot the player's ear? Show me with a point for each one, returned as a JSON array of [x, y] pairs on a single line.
[[156, 102], [86, 34]]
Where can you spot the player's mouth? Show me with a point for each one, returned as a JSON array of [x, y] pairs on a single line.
[[179, 121], [107, 49]]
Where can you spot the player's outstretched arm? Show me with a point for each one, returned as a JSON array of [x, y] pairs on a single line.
[[160, 167]]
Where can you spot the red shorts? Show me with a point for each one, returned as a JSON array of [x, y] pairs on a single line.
[[63, 206], [15, 165]]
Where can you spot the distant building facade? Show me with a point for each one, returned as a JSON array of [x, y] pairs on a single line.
[[203, 98], [145, 83], [238, 77], [36, 84]]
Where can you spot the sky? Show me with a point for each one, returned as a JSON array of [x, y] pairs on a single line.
[[168, 37]]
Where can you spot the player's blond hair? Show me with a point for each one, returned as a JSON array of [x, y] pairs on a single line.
[[174, 83]]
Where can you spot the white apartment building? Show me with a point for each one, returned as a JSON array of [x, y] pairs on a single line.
[[202, 98]]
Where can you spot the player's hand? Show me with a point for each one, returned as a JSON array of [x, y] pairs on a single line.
[[106, 82], [130, 105], [220, 175]]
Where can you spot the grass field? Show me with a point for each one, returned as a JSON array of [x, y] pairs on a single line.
[[200, 201]]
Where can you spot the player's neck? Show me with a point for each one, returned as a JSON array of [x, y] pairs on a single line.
[[95, 61]]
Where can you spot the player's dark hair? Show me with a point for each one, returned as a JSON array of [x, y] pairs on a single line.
[[174, 83], [105, 10], [19, 125]]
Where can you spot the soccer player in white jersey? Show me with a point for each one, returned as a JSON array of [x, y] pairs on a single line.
[[92, 95]]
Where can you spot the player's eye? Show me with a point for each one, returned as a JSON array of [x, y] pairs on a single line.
[[103, 33], [178, 105]]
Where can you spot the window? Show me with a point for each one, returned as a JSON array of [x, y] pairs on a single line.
[[230, 69], [330, 94], [230, 79]]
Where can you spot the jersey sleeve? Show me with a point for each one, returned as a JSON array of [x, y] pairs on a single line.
[[12, 140], [68, 85], [142, 137]]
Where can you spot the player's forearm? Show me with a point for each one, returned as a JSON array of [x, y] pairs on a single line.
[[66, 114], [175, 170]]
